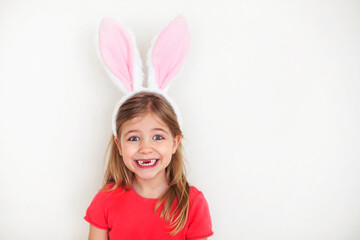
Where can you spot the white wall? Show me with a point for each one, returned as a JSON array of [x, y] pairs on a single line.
[[269, 96]]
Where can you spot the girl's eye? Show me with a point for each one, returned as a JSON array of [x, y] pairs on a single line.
[[134, 139], [158, 137]]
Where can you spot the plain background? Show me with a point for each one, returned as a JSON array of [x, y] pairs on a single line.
[[269, 96]]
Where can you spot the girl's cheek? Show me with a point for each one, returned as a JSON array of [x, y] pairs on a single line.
[[131, 148]]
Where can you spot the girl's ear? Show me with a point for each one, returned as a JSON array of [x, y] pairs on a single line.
[[167, 54], [118, 145], [120, 55], [177, 140]]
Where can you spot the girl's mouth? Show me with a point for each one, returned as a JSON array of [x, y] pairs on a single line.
[[147, 163]]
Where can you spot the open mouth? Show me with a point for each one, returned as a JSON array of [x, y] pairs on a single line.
[[147, 163]]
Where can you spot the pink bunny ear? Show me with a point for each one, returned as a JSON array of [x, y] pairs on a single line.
[[167, 55], [119, 53]]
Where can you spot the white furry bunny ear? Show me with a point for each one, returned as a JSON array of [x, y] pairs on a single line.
[[120, 55], [167, 55]]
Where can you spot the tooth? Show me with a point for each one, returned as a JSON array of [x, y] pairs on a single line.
[[140, 162]]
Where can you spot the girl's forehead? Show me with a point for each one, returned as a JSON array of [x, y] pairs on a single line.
[[145, 120]]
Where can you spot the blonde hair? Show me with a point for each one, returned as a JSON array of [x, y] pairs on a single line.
[[119, 175]]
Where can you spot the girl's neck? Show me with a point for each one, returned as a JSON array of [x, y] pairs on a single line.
[[150, 188]]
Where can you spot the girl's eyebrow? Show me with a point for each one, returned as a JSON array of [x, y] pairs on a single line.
[[160, 129], [130, 131]]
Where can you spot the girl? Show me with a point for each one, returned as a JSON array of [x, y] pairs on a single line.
[[145, 193]]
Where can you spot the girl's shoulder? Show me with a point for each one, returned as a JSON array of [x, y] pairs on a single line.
[[196, 195], [108, 192], [109, 187], [194, 191]]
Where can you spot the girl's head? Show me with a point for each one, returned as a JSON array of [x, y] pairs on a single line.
[[148, 138]]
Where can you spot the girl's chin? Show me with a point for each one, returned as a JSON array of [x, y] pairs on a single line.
[[150, 176]]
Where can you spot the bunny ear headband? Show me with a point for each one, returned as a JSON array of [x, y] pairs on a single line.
[[122, 61]]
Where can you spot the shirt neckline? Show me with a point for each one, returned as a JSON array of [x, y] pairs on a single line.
[[147, 200]]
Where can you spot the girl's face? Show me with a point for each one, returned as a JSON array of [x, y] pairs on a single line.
[[146, 145]]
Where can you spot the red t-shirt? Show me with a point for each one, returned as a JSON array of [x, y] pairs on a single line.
[[127, 215]]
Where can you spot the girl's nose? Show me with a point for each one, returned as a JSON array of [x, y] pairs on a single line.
[[146, 147]]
